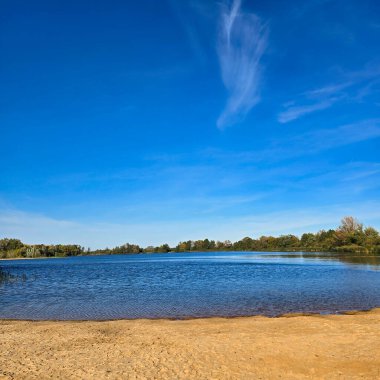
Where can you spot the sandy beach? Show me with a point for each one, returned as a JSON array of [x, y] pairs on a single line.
[[289, 347]]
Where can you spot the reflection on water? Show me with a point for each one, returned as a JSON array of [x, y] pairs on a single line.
[[183, 285], [372, 262]]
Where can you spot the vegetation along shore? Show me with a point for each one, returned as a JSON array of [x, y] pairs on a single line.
[[350, 236]]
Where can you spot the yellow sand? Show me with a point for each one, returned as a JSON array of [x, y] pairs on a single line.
[[297, 347]]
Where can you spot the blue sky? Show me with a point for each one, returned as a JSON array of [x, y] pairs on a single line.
[[160, 121]]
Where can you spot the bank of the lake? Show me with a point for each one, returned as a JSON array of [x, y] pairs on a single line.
[[297, 347]]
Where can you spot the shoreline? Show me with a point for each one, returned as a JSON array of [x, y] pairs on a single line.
[[344, 253], [375, 309], [34, 258], [291, 347]]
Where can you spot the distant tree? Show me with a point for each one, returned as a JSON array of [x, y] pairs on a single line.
[[227, 245], [349, 224], [350, 232], [372, 240], [307, 240], [10, 244], [212, 245], [164, 248]]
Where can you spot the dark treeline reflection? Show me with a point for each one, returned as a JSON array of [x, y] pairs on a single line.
[[358, 258], [351, 236]]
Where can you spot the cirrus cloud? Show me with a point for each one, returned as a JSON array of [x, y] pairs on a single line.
[[242, 43]]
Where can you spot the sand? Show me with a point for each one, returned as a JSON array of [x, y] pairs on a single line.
[[296, 347]]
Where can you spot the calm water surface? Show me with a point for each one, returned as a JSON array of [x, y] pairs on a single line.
[[188, 285]]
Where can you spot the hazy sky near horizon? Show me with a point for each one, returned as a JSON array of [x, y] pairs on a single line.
[[159, 121]]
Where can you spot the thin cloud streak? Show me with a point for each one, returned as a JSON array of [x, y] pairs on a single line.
[[242, 43], [307, 143], [327, 96], [294, 112], [344, 135], [321, 98]]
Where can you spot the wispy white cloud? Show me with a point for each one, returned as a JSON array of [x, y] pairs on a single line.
[[362, 82], [242, 42], [346, 134], [328, 90], [303, 144], [294, 112], [330, 138], [314, 100]]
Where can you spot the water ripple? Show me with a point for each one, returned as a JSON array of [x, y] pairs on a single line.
[[188, 285]]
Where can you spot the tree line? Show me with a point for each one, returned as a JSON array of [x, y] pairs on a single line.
[[14, 248], [350, 236]]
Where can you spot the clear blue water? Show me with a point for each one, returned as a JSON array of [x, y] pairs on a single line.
[[188, 285]]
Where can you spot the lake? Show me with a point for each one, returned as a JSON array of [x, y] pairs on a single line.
[[182, 285]]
